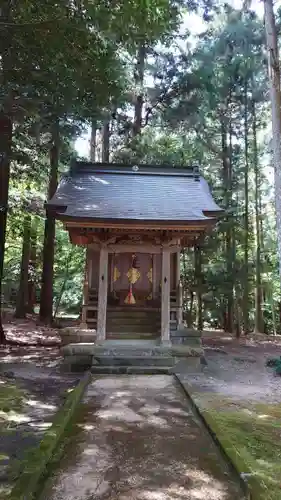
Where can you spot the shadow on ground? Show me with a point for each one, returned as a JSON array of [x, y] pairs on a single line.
[[31, 390], [138, 439]]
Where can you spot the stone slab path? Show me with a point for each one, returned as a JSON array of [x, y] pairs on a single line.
[[138, 439]]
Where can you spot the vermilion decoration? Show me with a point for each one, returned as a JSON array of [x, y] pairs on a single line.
[[130, 299]]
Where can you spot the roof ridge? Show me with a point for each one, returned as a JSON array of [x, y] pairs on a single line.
[[80, 167]]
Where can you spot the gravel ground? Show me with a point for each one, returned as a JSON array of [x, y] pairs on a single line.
[[239, 371]]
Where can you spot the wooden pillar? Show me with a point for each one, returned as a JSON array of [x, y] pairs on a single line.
[[85, 291], [111, 263], [154, 274], [102, 299], [90, 270], [179, 289], [165, 296]]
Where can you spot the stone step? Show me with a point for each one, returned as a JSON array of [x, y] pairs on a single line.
[[131, 370], [130, 352], [132, 360], [133, 309], [133, 329], [129, 347], [132, 335], [133, 317]]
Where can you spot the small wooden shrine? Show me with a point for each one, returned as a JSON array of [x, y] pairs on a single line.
[[133, 220]]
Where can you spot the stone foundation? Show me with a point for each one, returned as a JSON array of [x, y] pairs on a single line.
[[76, 335], [186, 336], [130, 357]]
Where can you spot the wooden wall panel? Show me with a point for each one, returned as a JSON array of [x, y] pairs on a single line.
[[94, 257]]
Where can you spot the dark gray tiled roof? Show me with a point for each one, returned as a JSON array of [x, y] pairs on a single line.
[[151, 193]]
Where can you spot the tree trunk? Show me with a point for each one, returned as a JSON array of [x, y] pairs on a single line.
[[46, 298], [6, 133], [228, 322], [106, 142], [62, 290], [32, 268], [275, 96], [259, 324], [246, 218], [139, 77], [93, 143], [22, 296], [190, 310], [198, 281], [5, 158]]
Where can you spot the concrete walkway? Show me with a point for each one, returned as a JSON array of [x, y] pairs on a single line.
[[138, 439]]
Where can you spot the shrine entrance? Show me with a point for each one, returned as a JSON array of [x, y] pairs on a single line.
[[135, 279]]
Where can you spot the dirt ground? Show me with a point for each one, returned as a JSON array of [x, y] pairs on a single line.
[[237, 369], [31, 390]]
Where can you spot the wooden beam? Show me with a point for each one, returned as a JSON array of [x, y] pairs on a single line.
[[102, 298], [135, 248], [166, 226], [165, 296]]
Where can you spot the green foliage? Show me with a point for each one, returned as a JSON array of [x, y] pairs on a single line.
[[275, 363], [78, 63], [11, 398]]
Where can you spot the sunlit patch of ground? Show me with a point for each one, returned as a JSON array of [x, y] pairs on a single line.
[[11, 397], [29, 399], [138, 439]]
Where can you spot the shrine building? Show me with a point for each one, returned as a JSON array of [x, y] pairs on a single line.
[[133, 220]]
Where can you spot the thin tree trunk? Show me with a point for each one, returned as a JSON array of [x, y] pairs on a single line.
[[198, 281], [93, 143], [106, 142], [246, 218], [46, 298], [62, 290], [228, 316], [32, 268], [259, 325], [139, 77], [275, 96], [190, 311], [22, 295]]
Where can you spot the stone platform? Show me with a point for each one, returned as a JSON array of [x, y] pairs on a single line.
[[131, 356]]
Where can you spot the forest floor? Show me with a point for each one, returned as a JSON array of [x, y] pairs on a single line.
[[31, 391]]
